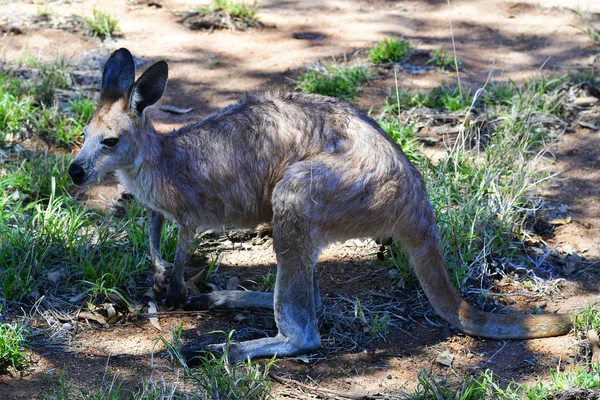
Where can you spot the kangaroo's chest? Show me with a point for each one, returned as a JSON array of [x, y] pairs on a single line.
[[148, 192]]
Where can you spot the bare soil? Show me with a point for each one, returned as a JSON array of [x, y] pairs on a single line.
[[504, 39]]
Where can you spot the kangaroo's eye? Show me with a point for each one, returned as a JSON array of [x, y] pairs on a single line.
[[110, 142]]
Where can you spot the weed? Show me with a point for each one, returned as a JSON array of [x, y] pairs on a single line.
[[44, 230], [30, 109], [82, 108], [501, 93], [404, 136], [216, 378], [64, 390], [442, 97], [232, 8], [586, 26], [390, 51], [44, 12], [443, 61], [481, 189], [101, 24], [174, 347], [49, 77], [588, 318], [267, 282], [12, 342], [16, 110], [334, 81], [486, 387]]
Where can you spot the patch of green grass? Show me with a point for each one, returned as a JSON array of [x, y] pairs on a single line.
[[16, 110], [481, 189], [390, 51], [588, 318], [404, 136], [334, 81], [376, 324], [586, 26], [101, 24], [82, 108], [486, 387], [62, 389], [443, 60], [443, 97], [12, 343], [29, 108], [45, 230], [501, 94], [216, 378], [44, 12], [232, 8], [49, 77]]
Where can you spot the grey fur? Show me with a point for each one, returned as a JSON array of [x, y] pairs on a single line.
[[315, 167]]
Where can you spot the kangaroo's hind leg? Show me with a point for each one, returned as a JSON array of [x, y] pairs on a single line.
[[297, 243]]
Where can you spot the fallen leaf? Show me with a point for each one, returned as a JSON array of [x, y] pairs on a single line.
[[445, 358], [153, 310], [560, 221]]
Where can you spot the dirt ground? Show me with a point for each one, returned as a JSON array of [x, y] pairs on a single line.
[[503, 39]]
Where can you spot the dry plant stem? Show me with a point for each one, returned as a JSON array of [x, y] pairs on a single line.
[[343, 395]]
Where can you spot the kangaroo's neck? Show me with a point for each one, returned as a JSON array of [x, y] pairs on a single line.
[[139, 176]]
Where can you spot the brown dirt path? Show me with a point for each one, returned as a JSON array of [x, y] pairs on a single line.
[[210, 70]]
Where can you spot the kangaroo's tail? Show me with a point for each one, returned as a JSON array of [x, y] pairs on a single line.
[[429, 265]]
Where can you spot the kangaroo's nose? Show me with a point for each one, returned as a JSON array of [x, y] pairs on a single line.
[[77, 173]]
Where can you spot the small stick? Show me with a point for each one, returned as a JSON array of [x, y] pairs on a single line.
[[345, 395], [181, 312]]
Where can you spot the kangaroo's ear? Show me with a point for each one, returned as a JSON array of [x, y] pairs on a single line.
[[119, 72], [149, 88]]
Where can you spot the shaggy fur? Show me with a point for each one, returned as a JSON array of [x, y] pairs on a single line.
[[315, 167]]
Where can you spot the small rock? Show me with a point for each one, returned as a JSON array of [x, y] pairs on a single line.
[[585, 101], [240, 317], [232, 283], [54, 276], [445, 358]]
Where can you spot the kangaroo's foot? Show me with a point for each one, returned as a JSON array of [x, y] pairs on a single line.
[[279, 346]]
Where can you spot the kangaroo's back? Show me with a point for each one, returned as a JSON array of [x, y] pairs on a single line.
[[230, 162]]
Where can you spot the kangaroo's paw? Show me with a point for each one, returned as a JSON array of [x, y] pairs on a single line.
[[198, 302], [195, 353], [159, 281], [176, 294]]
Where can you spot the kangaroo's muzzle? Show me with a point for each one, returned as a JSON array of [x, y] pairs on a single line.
[[77, 173]]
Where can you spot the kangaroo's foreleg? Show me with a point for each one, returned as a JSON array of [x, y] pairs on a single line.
[[159, 265], [177, 290]]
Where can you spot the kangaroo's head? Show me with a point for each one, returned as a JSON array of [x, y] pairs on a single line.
[[112, 136]]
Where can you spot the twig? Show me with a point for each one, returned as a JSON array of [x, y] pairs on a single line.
[[489, 360], [344, 395], [358, 276], [172, 313]]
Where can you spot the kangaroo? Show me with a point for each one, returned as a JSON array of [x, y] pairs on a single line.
[[315, 167]]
